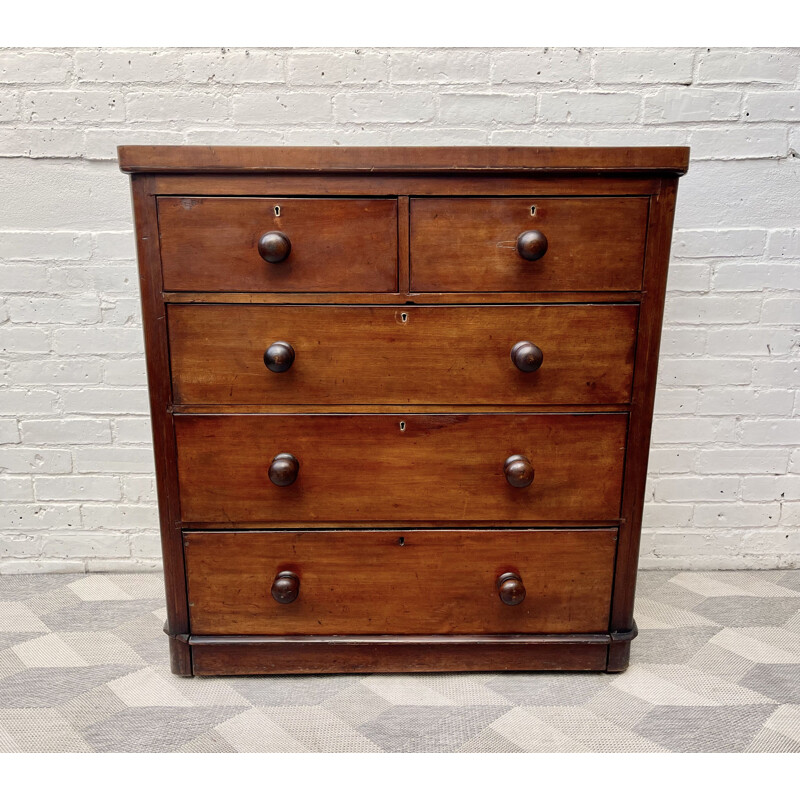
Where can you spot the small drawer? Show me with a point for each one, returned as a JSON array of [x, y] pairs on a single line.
[[278, 244], [400, 582], [330, 468], [399, 355], [527, 244]]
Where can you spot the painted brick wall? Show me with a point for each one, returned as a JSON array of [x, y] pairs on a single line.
[[76, 470]]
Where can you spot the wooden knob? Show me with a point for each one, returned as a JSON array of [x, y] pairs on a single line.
[[283, 469], [274, 246], [519, 471], [510, 588], [286, 587], [527, 357], [531, 245], [279, 356]]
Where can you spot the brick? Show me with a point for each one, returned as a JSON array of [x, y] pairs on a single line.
[[98, 341], [717, 244], [683, 341], [735, 277], [466, 109], [114, 246], [66, 431], [145, 545], [691, 105], [548, 65], [693, 430], [23, 339], [651, 136], [736, 515], [133, 430], [61, 372], [9, 106], [711, 310], [689, 277], [329, 68], [676, 401], [41, 245], [744, 401], [41, 142], [119, 517], [168, 106], [126, 66], [386, 107], [248, 136], [23, 277], [129, 372], [38, 517], [31, 66], [667, 515], [772, 106], [553, 137], [9, 431], [782, 310], [753, 341], [771, 431], [754, 142], [102, 400], [742, 461], [27, 401], [114, 459], [589, 107], [451, 66], [16, 488], [361, 136], [25, 460], [746, 66], [776, 373], [138, 489], [77, 487], [100, 144], [704, 372], [784, 244], [434, 137], [73, 106], [85, 545], [19, 545], [696, 488], [772, 487], [790, 515], [283, 108], [122, 311], [647, 65], [234, 66]]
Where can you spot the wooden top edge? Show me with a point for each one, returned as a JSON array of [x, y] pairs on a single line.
[[195, 158]]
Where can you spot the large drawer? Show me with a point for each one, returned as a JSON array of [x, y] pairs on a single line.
[[579, 244], [405, 468], [399, 582], [402, 355], [334, 245]]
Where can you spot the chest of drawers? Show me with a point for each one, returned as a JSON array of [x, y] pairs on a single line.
[[401, 400]]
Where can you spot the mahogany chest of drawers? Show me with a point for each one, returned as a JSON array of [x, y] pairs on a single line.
[[401, 400]]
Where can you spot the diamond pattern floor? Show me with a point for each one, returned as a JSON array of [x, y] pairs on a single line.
[[716, 668]]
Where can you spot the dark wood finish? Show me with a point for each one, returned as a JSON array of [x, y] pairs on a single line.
[[531, 245], [610, 259], [400, 468], [511, 589], [401, 582], [285, 587], [277, 655], [402, 355], [323, 160], [283, 469], [274, 247], [279, 357], [518, 471], [216, 244], [470, 244]]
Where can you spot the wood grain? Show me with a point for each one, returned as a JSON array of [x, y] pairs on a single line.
[[469, 244], [402, 354], [211, 244], [369, 467], [400, 582]]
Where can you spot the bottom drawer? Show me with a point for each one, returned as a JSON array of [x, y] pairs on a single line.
[[399, 582]]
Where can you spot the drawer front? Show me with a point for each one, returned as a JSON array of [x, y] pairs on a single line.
[[399, 582], [402, 355], [470, 244], [336, 245], [390, 467]]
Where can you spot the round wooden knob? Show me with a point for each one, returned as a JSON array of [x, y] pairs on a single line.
[[279, 356], [286, 587], [283, 469], [274, 246], [527, 357], [510, 588], [531, 245], [519, 471]]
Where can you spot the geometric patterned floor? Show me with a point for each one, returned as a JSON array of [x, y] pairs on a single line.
[[716, 668]]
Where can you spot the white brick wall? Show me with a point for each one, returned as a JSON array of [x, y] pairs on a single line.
[[76, 468]]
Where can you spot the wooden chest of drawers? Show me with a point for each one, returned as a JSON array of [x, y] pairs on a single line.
[[401, 400]]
